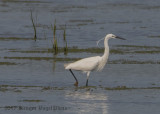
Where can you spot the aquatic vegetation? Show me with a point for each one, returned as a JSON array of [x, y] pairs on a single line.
[[117, 51], [13, 38], [147, 52], [34, 26], [127, 88], [122, 61], [8, 63], [138, 46], [67, 49], [118, 88], [55, 48], [53, 88], [64, 33], [44, 58], [24, 1], [86, 87], [55, 43], [18, 86], [44, 33], [3, 89], [22, 88], [65, 42], [18, 91], [87, 21], [154, 36], [32, 100]]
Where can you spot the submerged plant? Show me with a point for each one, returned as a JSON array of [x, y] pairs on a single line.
[[34, 27]]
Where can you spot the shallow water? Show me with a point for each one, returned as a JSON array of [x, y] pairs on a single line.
[[33, 80]]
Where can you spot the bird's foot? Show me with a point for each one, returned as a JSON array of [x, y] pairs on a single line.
[[76, 84]]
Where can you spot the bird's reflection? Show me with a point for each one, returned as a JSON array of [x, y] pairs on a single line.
[[89, 102]]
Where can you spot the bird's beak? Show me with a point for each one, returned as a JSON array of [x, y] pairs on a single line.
[[120, 38]]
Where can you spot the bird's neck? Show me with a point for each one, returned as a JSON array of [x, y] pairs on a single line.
[[105, 56], [106, 50]]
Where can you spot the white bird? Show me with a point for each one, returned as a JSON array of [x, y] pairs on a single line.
[[91, 63]]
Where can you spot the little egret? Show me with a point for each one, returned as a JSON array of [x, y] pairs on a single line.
[[91, 63]]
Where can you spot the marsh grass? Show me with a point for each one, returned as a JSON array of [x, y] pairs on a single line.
[[64, 33], [65, 41], [34, 26], [65, 49], [55, 43]]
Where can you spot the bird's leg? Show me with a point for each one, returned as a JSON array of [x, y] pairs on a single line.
[[87, 82], [87, 78], [76, 83]]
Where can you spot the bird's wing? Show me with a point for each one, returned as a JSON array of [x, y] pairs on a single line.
[[86, 64]]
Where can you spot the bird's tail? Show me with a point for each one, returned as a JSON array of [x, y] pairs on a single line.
[[65, 65]]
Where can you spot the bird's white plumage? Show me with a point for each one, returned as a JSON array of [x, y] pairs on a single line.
[[86, 64]]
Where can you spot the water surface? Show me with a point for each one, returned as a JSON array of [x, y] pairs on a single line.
[[33, 79]]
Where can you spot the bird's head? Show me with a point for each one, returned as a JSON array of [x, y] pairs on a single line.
[[109, 36]]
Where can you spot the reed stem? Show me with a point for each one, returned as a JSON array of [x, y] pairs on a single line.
[[34, 27], [55, 44]]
